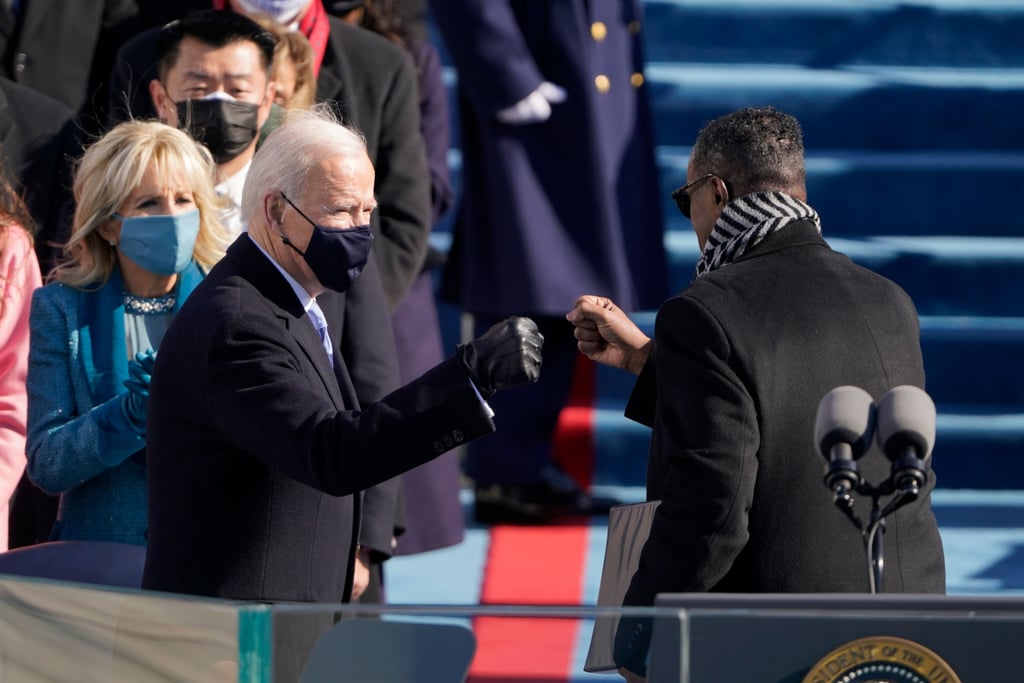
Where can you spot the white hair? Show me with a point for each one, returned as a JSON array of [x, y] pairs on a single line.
[[302, 140]]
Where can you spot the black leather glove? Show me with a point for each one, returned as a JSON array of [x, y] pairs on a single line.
[[506, 355]]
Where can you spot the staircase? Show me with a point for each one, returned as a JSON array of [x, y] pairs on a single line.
[[913, 116]]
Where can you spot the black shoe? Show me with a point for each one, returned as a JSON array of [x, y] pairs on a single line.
[[535, 503]]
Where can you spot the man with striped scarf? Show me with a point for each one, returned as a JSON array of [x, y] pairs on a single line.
[[773, 320]]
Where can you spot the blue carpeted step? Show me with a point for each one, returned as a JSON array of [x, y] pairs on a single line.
[[910, 192], [911, 113], [966, 33], [974, 361], [975, 448], [968, 361], [855, 107], [973, 371], [868, 107], [945, 276], [923, 192]]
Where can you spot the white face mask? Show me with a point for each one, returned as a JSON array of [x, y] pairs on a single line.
[[281, 11]]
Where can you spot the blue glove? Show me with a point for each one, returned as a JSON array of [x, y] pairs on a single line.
[[140, 372], [122, 419], [136, 401], [118, 437]]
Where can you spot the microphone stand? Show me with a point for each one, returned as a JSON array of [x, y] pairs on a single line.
[[872, 533]]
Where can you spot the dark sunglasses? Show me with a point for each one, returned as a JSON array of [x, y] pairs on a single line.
[[682, 198]]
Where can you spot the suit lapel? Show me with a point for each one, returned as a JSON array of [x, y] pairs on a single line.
[[8, 23], [278, 293], [330, 82], [33, 14]]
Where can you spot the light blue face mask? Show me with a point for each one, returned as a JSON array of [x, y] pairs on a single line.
[[160, 244]]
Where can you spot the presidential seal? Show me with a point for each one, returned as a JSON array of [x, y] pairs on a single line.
[[881, 659]]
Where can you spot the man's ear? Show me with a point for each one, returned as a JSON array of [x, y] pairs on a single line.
[[161, 101], [273, 212], [721, 191], [267, 103]]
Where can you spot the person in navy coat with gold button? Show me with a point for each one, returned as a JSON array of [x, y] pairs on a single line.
[[560, 195], [258, 445]]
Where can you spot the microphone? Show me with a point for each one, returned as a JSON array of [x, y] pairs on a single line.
[[843, 430], [906, 433]]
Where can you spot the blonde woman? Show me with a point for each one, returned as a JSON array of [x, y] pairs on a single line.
[[145, 231], [19, 277]]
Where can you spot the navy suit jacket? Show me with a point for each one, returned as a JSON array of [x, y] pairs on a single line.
[[258, 451]]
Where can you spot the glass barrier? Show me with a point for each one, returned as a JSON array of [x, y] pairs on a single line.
[[55, 631]]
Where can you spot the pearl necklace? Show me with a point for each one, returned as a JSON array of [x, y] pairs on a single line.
[[138, 305]]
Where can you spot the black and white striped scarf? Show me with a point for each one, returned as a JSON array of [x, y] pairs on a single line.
[[746, 221]]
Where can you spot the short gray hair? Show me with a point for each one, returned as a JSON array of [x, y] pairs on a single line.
[[302, 140], [757, 149]]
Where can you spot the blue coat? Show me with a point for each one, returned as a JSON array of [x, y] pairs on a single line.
[[569, 206], [77, 360]]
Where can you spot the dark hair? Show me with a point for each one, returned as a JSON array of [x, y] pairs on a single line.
[[383, 17], [13, 216], [216, 28], [756, 149], [12, 205]]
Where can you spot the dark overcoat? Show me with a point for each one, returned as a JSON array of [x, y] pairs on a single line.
[[37, 141], [66, 49], [742, 358], [258, 449], [570, 205]]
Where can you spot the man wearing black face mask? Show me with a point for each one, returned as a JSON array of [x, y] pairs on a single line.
[[213, 83], [260, 446]]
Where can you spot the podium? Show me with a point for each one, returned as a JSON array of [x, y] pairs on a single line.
[[810, 638]]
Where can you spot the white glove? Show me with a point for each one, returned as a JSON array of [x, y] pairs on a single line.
[[535, 107]]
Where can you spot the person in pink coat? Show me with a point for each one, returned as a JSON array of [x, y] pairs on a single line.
[[19, 277]]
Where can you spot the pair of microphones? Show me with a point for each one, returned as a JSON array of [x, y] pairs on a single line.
[[903, 423]]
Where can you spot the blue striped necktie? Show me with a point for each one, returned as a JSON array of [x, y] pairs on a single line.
[[320, 323]]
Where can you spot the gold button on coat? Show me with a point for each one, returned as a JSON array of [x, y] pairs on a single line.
[[637, 79], [634, 27], [598, 30], [602, 83]]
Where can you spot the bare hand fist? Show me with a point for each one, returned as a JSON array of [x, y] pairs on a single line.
[[604, 333]]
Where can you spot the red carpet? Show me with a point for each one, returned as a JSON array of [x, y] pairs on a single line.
[[529, 566], [539, 566], [573, 440]]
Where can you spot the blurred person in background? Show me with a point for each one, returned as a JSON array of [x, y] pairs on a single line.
[[66, 50], [559, 195], [433, 517]]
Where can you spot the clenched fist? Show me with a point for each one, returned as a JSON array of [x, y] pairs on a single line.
[[506, 355]]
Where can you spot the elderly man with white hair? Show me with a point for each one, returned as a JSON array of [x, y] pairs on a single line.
[[258, 448]]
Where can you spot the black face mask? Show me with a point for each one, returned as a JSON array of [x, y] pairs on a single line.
[[335, 255], [226, 127]]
